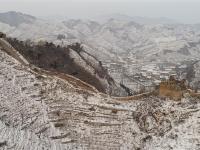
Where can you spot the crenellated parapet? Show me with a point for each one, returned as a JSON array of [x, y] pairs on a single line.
[[173, 88]]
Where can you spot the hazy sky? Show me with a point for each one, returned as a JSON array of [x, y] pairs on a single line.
[[187, 11]]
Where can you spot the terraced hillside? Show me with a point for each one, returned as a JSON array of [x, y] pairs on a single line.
[[41, 110]]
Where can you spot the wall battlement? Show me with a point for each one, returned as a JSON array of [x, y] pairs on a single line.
[[172, 88]]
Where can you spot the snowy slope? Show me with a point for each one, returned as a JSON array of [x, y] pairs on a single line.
[[43, 111]]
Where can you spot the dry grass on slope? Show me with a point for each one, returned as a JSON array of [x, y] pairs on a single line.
[[74, 81]]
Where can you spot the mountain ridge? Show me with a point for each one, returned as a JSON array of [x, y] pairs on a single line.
[[14, 18], [70, 60], [138, 19]]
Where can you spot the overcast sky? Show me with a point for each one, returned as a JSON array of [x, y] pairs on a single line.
[[186, 11]]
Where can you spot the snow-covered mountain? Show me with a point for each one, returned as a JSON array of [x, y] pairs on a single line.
[[115, 36], [41, 110], [120, 43], [71, 60]]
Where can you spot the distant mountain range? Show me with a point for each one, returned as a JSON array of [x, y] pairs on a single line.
[[118, 34], [138, 19], [16, 18]]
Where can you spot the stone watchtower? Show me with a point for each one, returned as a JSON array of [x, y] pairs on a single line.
[[172, 88]]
